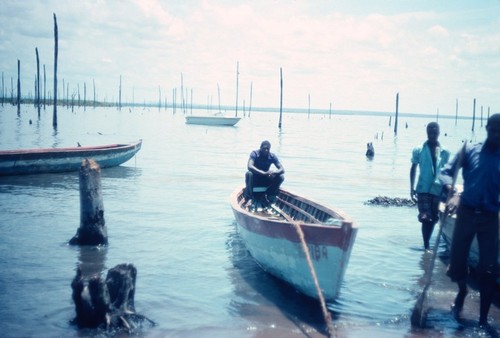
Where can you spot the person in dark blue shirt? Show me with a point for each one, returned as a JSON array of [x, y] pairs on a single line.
[[477, 210], [260, 173]]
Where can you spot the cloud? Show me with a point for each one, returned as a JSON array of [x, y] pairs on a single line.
[[358, 57], [439, 31]]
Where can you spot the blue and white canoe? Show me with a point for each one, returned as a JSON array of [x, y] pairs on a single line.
[[273, 241], [53, 160]]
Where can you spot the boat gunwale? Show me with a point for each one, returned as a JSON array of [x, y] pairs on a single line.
[[104, 148], [237, 204]]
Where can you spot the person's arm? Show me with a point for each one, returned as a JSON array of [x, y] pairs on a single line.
[[280, 169], [251, 167], [413, 171], [415, 160], [447, 172], [448, 176]]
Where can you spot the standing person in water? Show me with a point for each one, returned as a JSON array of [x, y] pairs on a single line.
[[429, 159], [260, 173], [477, 210]]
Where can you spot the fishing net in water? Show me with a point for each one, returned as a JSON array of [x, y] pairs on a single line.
[[391, 202]]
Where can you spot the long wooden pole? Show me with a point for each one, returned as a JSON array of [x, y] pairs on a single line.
[[473, 114], [18, 87], [3, 90], [44, 87], [396, 119], [54, 115], [281, 97], [37, 81]]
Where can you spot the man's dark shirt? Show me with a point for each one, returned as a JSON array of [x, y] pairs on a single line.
[[262, 162], [481, 174]]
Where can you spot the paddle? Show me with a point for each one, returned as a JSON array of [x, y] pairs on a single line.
[[296, 224], [419, 313]]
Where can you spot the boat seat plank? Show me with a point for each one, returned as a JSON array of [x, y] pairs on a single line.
[[311, 218]]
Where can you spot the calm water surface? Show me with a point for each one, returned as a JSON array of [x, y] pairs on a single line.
[[167, 212]]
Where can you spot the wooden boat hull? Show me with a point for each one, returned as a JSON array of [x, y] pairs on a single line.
[[52, 160], [274, 242], [447, 235], [212, 120]]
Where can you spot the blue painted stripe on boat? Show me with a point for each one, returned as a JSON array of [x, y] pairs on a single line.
[[286, 260]]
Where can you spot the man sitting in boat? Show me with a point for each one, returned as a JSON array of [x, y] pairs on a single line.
[[260, 174]]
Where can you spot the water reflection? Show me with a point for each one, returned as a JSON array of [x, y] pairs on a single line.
[[257, 293], [122, 171], [92, 259], [56, 140], [66, 180], [57, 180]]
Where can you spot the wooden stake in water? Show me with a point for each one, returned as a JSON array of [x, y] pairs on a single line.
[[281, 97], [396, 119], [92, 230], [473, 114], [54, 115]]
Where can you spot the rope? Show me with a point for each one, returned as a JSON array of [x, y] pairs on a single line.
[[296, 224], [326, 314]]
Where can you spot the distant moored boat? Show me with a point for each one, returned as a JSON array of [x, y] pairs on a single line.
[[212, 120]]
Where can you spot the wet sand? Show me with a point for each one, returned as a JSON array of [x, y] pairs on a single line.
[[442, 294]]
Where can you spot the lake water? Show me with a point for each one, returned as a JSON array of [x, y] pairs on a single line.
[[167, 212]]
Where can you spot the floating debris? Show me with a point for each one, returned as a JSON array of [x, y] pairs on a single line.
[[391, 201]]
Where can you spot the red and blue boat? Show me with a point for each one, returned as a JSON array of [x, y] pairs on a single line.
[[271, 237]]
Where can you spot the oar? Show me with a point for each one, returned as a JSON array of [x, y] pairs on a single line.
[[296, 224], [419, 314]]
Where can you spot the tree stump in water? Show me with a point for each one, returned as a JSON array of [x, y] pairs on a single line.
[[92, 230], [107, 304]]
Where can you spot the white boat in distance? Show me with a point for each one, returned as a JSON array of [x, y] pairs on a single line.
[[215, 120]]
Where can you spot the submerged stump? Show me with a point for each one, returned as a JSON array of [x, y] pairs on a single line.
[[107, 304], [92, 230]]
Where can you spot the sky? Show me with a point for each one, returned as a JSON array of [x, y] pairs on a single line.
[[347, 55]]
